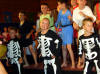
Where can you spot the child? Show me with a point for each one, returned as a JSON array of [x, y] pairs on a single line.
[[26, 31], [44, 10], [90, 45], [80, 13], [14, 53], [49, 45], [64, 22]]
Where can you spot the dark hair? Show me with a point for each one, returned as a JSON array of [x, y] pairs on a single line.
[[66, 3], [63, 1], [87, 19], [45, 4], [23, 12], [13, 28]]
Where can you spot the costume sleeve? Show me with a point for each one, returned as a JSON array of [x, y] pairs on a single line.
[[57, 44], [90, 13], [74, 17], [58, 20], [80, 48], [21, 49], [98, 40]]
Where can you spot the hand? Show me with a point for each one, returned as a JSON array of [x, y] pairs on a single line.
[[20, 60], [40, 55], [28, 36], [69, 17], [98, 22], [53, 57], [7, 63], [75, 26], [82, 14]]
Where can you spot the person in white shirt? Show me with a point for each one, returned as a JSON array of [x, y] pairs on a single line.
[[79, 14]]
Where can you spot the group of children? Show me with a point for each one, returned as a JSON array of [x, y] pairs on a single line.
[[52, 38]]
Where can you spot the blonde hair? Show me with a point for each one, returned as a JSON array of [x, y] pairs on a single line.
[[86, 20]]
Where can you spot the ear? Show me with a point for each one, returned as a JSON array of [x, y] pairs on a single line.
[[83, 27]]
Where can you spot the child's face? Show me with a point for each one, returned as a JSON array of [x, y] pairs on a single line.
[[88, 27], [44, 25], [82, 2], [63, 5], [12, 34], [5, 29], [73, 2], [21, 16], [59, 7], [44, 9]]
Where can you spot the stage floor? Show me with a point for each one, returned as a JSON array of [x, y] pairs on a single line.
[[39, 70]]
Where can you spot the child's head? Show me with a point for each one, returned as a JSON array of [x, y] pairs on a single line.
[[5, 29], [82, 3], [44, 8], [64, 4], [73, 2], [21, 15], [12, 32], [44, 24], [59, 5], [88, 25]]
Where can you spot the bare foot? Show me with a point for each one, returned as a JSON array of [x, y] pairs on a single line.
[[64, 65], [73, 66], [35, 65]]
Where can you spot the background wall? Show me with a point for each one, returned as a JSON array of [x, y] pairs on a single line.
[[12, 7]]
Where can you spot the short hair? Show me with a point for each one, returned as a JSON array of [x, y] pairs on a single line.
[[87, 19], [13, 28], [46, 19], [45, 4], [23, 12]]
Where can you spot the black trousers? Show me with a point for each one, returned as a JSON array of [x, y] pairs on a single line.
[[91, 65], [50, 69], [14, 69]]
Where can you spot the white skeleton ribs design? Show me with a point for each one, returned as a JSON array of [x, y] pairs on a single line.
[[89, 45], [44, 45], [14, 53]]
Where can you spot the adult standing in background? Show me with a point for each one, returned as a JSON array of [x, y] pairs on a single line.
[[25, 32]]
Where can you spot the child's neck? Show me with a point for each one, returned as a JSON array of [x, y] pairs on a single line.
[[87, 33], [44, 31], [44, 13], [74, 5], [22, 22], [81, 7], [64, 11]]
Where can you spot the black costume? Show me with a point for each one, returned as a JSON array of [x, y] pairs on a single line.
[[25, 29], [50, 45], [14, 53], [90, 45]]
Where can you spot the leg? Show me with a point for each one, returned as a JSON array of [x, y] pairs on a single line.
[[97, 67], [64, 52], [45, 66], [86, 67], [33, 54], [54, 65], [71, 55], [25, 58]]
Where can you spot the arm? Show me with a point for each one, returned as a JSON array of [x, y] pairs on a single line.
[[2, 69], [58, 20]]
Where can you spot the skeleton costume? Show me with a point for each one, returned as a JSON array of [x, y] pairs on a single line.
[[50, 45], [90, 45], [14, 53]]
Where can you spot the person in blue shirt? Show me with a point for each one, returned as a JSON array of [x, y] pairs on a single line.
[[64, 22]]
